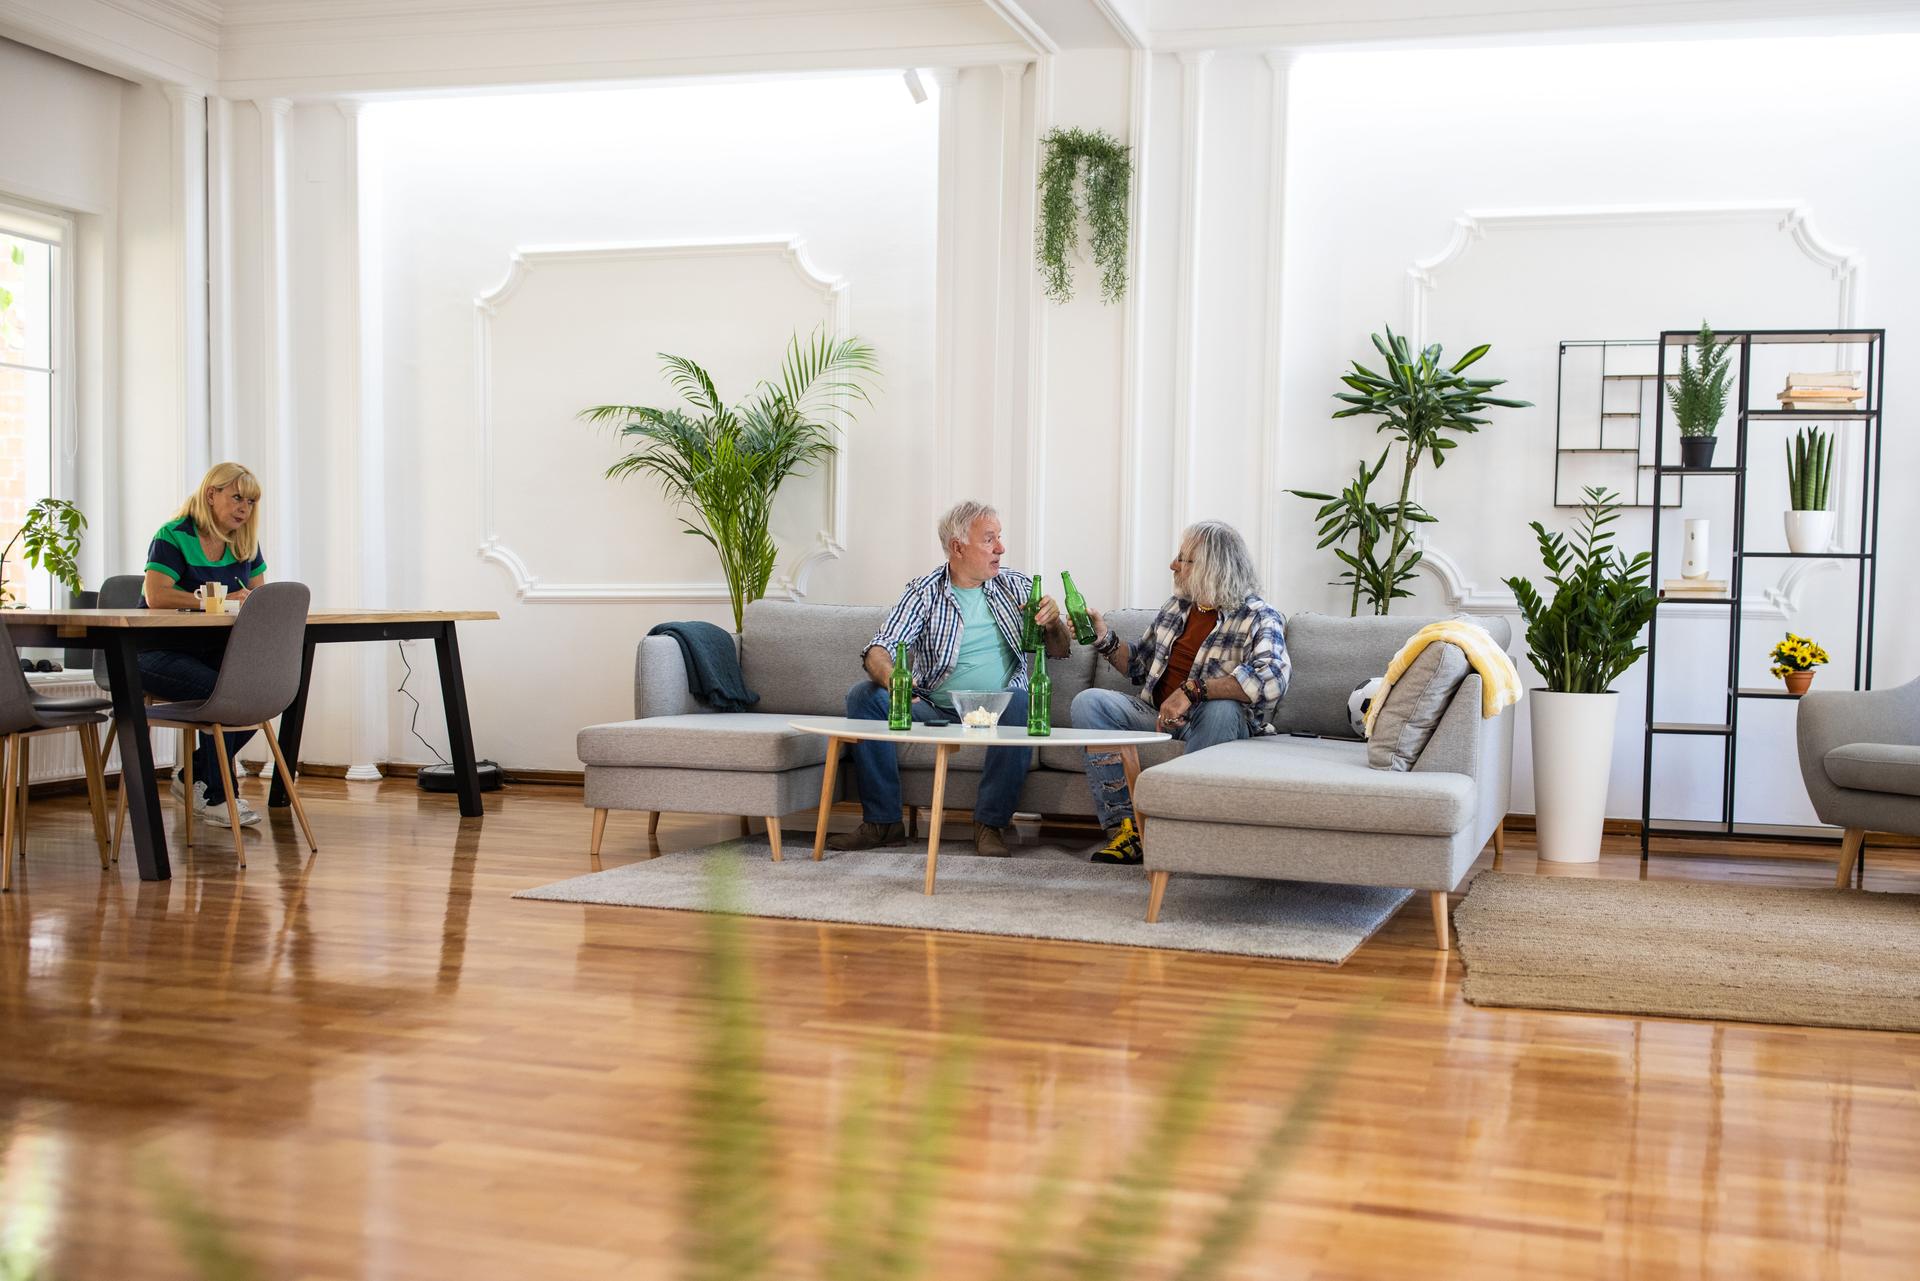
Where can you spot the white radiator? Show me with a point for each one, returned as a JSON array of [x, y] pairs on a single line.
[[53, 757]]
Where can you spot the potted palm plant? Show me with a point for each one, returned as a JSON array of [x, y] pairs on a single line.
[[1580, 642], [723, 464], [1809, 477], [1699, 397]]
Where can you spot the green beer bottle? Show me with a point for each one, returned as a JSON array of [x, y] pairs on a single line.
[[1030, 637], [1077, 610], [900, 691], [1040, 696]]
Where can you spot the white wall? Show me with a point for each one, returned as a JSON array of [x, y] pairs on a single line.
[[845, 164]]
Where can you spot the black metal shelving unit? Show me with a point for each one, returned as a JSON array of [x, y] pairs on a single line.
[[1865, 558]]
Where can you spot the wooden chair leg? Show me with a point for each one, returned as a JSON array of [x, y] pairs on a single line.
[[24, 768], [9, 761], [599, 831], [1850, 844], [1156, 894], [1439, 900], [119, 814], [653, 823], [96, 787], [233, 795], [293, 792], [186, 778], [773, 835]]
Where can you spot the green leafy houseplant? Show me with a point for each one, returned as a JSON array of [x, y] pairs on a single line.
[[1108, 170], [1810, 470], [1699, 396], [1423, 403], [724, 465], [1352, 512], [1583, 639], [883, 1189], [49, 538]]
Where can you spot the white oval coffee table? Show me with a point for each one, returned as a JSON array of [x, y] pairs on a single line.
[[948, 739]]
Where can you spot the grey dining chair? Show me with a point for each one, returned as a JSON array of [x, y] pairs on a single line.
[[1860, 759], [258, 679], [24, 713]]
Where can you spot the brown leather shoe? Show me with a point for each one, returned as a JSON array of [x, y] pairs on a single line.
[[869, 836], [990, 841]]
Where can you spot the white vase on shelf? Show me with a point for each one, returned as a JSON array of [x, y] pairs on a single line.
[[1693, 549], [1809, 533]]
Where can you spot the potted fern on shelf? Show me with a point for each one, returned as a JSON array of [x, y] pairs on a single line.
[[1809, 489], [1699, 397], [1581, 641]]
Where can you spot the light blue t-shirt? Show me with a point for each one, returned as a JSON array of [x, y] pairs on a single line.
[[986, 661]]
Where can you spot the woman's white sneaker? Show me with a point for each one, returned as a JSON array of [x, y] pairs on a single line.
[[218, 816], [178, 789]]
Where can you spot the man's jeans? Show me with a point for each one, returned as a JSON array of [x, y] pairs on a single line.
[[877, 764], [185, 678], [1208, 724]]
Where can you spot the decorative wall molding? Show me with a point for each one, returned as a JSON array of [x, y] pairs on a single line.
[[276, 359], [1133, 393], [946, 285], [1279, 66], [188, 170], [527, 583], [1791, 218], [1039, 311], [1186, 337]]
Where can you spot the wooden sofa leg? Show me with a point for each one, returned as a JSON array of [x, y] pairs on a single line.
[[1439, 900], [1156, 894], [1850, 845], [773, 836], [1499, 840], [653, 822], [913, 822], [599, 830]]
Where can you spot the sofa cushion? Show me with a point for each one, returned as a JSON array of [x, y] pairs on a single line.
[[752, 742], [1310, 783], [1332, 656], [1876, 767], [804, 658], [1074, 759], [1414, 707]]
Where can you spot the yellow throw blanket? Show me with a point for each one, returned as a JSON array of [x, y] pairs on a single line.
[[1499, 679]]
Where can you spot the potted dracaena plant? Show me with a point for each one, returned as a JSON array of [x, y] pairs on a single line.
[[1699, 397], [49, 538], [1809, 490], [1580, 642], [1424, 403], [723, 464]]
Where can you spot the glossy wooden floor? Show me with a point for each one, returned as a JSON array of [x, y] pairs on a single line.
[[377, 1064]]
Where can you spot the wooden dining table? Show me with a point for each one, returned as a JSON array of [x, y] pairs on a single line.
[[120, 634]]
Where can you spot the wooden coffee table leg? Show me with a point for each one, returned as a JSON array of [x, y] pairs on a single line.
[[826, 796], [940, 753], [1130, 765]]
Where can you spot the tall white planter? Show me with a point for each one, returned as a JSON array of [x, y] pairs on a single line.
[[1572, 760], [1809, 533]]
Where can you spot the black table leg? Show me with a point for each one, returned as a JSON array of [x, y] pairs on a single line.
[[136, 758], [292, 722], [453, 696]]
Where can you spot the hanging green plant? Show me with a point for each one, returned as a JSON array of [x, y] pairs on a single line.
[[1108, 176]]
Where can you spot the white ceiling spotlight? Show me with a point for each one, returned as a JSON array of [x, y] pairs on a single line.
[[914, 86]]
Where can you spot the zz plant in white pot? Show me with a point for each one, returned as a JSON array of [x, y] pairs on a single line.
[[1580, 642]]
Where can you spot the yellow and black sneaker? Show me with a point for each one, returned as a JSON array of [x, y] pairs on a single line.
[[1123, 846]]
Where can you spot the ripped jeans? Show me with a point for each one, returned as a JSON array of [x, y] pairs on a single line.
[[1208, 725]]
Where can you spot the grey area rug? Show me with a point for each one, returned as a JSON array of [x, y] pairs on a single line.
[[1758, 954], [1043, 892]]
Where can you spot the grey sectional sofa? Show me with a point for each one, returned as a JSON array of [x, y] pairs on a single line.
[[1281, 807]]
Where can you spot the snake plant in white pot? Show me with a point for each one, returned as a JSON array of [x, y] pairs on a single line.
[[1580, 642], [1809, 488]]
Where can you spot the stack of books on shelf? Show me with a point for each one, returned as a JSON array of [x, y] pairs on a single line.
[[1694, 589], [1830, 390]]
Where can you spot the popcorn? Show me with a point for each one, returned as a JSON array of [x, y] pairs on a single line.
[[979, 718]]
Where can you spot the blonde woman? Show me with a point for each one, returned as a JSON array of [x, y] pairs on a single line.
[[213, 538]]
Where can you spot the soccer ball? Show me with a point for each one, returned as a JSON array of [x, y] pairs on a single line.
[[1358, 702]]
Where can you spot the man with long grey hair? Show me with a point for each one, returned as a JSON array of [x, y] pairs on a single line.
[[961, 625], [1212, 668]]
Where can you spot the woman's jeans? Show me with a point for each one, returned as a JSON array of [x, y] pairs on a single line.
[[188, 678], [1209, 724]]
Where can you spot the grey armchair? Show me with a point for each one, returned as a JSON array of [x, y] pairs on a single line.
[[1860, 757]]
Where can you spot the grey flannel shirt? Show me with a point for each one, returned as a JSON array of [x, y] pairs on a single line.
[[1248, 643], [927, 618]]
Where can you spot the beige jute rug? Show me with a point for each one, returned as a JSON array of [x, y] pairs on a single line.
[[1827, 958]]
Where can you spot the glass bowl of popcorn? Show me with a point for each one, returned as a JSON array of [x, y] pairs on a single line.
[[980, 708]]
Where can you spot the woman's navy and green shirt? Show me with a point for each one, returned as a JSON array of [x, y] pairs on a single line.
[[176, 552]]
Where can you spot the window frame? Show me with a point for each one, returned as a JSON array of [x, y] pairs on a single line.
[[55, 228]]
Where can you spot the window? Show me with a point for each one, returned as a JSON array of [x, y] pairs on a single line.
[[30, 355]]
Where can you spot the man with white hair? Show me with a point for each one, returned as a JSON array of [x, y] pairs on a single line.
[[1212, 668], [961, 625]]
